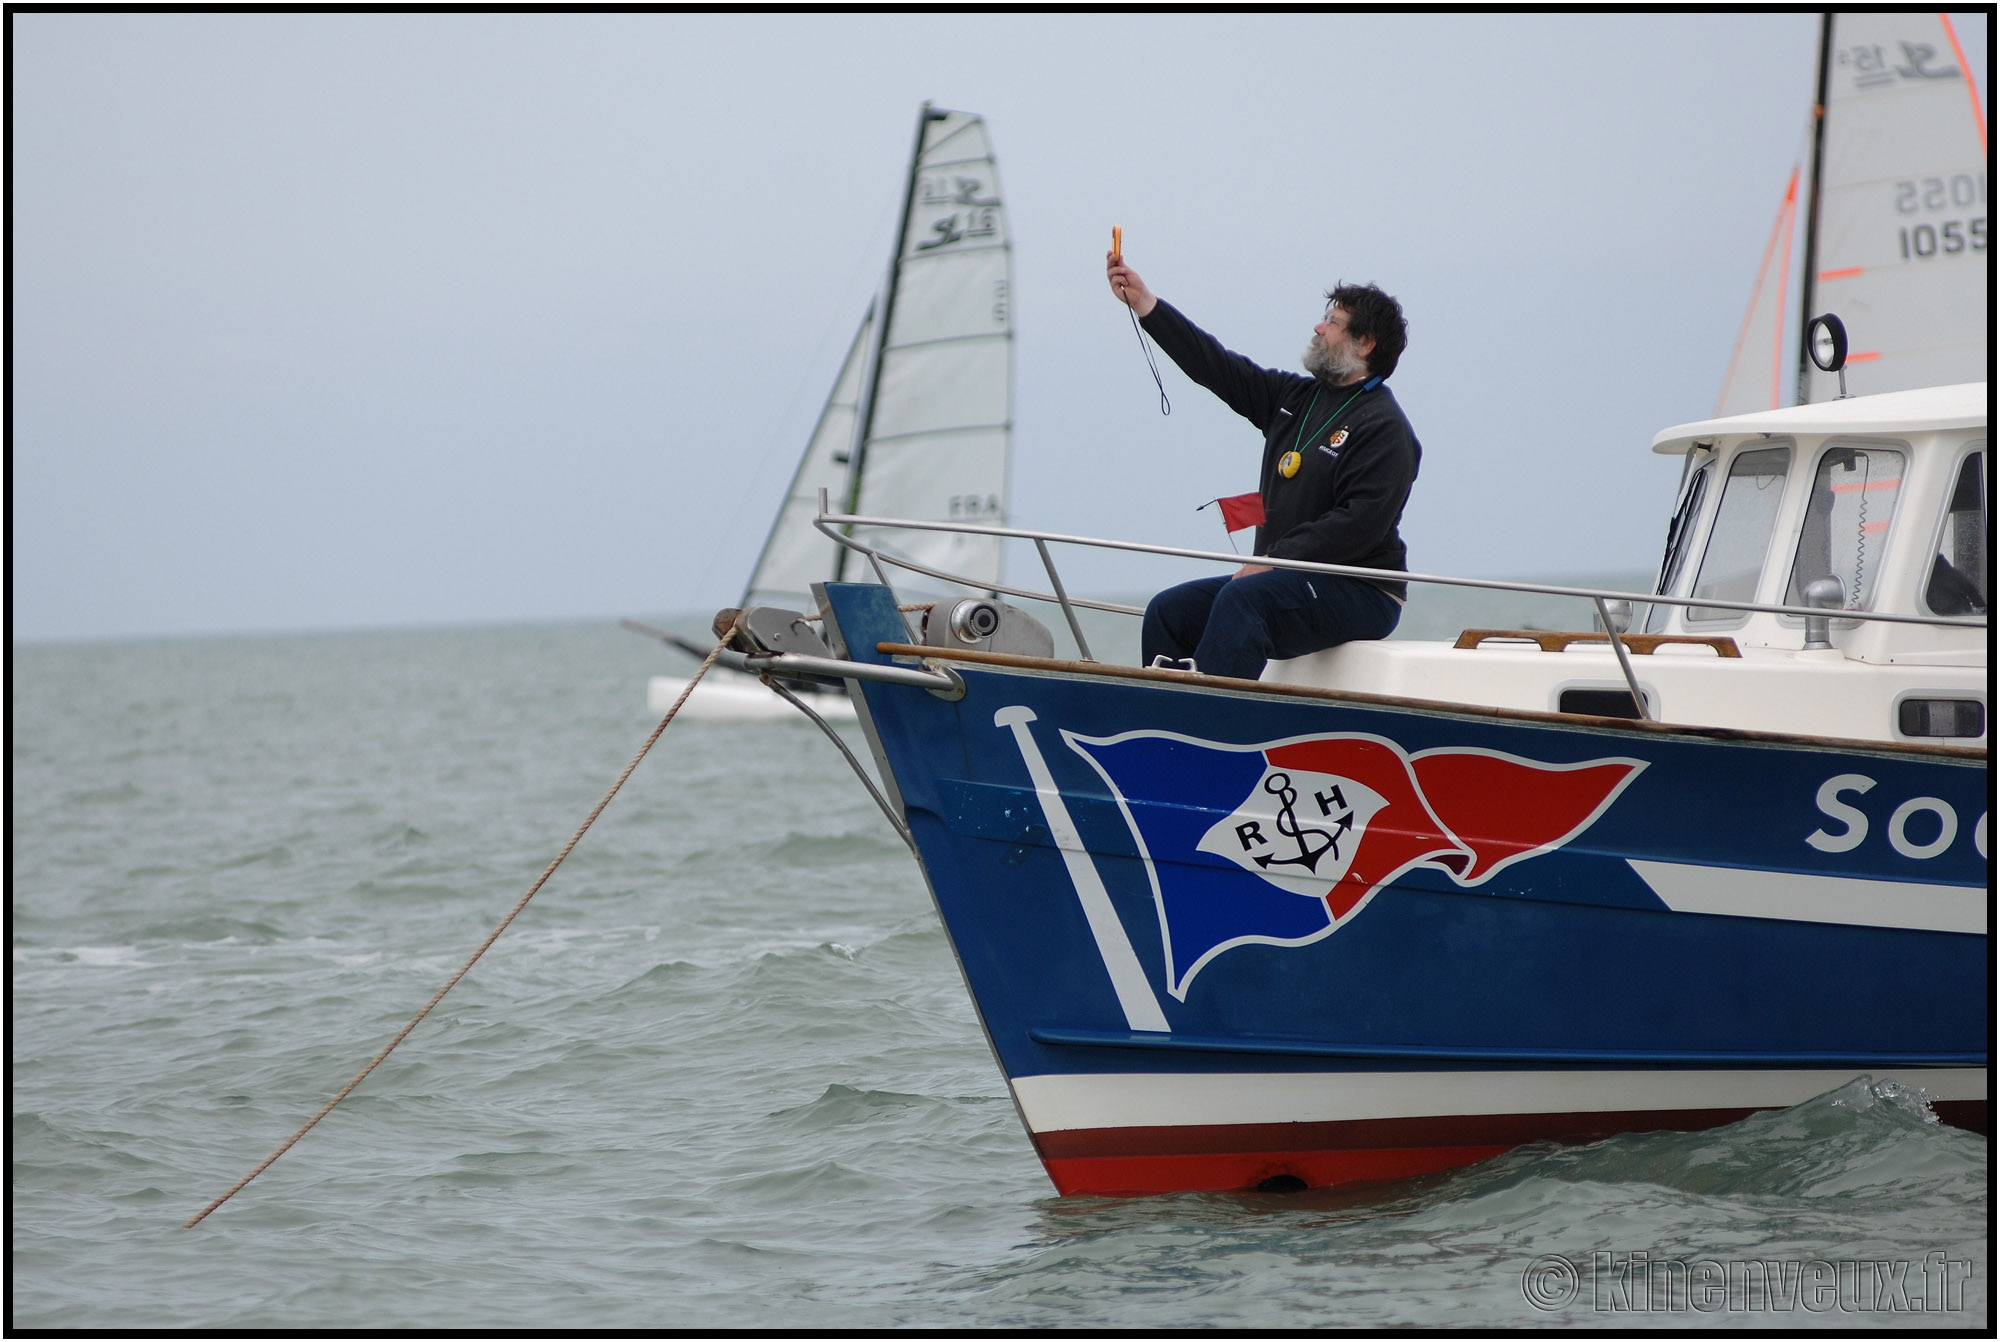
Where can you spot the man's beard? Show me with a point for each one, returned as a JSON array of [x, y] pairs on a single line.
[[1337, 369]]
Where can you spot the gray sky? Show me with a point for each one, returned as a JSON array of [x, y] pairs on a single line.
[[349, 320]]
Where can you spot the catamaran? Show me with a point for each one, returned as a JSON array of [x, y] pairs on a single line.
[[1399, 906], [920, 419]]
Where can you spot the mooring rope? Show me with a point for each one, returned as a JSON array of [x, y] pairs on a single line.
[[491, 938]]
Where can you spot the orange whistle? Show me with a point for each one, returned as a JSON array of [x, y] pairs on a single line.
[[1117, 243]]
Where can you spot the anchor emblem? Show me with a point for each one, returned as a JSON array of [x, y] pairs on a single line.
[[1313, 844], [1298, 829]]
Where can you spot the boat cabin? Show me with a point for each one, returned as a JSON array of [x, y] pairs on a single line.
[[1885, 495], [1869, 503]]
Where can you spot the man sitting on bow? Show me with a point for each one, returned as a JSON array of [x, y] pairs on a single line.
[[1339, 460]]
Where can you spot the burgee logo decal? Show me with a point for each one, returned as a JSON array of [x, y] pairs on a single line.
[[1313, 827]]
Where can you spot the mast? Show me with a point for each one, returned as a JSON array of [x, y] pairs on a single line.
[[1807, 286], [866, 421]]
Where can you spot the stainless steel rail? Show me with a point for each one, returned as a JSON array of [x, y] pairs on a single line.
[[804, 666], [1624, 662], [1055, 581], [833, 525], [832, 668]]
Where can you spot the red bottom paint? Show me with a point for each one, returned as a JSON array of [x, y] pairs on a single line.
[[1115, 1176], [1117, 1162]]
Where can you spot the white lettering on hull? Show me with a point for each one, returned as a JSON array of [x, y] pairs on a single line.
[[1854, 821]]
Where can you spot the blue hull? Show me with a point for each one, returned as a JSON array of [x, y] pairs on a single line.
[[1228, 938]]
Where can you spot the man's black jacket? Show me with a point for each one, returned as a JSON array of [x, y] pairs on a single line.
[[1342, 504]]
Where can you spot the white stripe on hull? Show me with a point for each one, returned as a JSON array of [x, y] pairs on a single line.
[[1121, 962], [1059, 1101], [1738, 892]]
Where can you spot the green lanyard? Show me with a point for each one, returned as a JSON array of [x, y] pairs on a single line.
[[1299, 442]]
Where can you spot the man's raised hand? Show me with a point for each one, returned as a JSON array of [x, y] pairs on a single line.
[[1126, 285]]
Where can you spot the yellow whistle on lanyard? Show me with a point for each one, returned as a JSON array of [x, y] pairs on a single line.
[[1117, 245]]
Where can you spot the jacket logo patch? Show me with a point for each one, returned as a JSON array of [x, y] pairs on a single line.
[[1337, 439]]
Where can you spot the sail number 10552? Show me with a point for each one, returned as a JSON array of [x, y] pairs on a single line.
[[1948, 238]]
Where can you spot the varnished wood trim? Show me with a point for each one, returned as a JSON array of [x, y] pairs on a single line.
[[1550, 640]]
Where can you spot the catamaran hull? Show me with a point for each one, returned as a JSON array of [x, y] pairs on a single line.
[[724, 696], [1227, 938]]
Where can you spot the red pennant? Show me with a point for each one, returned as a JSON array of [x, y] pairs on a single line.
[[1243, 510]]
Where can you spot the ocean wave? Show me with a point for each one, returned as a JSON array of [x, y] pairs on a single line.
[[89, 957], [104, 796], [397, 838], [212, 930], [790, 1183], [1865, 1132], [840, 1104], [275, 855]]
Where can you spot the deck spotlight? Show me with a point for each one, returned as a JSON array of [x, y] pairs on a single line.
[[1826, 339]]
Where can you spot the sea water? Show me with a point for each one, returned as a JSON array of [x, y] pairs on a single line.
[[722, 1073]]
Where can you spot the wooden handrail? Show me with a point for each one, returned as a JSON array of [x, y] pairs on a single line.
[[1550, 640]]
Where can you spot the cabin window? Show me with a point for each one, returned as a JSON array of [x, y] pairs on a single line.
[[1741, 536], [1847, 520], [1919, 718], [1678, 532], [1956, 583], [1604, 701]]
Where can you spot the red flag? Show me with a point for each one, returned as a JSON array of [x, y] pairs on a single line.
[[1244, 510]]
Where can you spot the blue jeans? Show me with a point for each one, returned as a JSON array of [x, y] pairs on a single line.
[[1232, 627]]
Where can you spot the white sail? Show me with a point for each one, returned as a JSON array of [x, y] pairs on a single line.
[[1758, 368], [796, 554], [938, 422], [1902, 243]]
